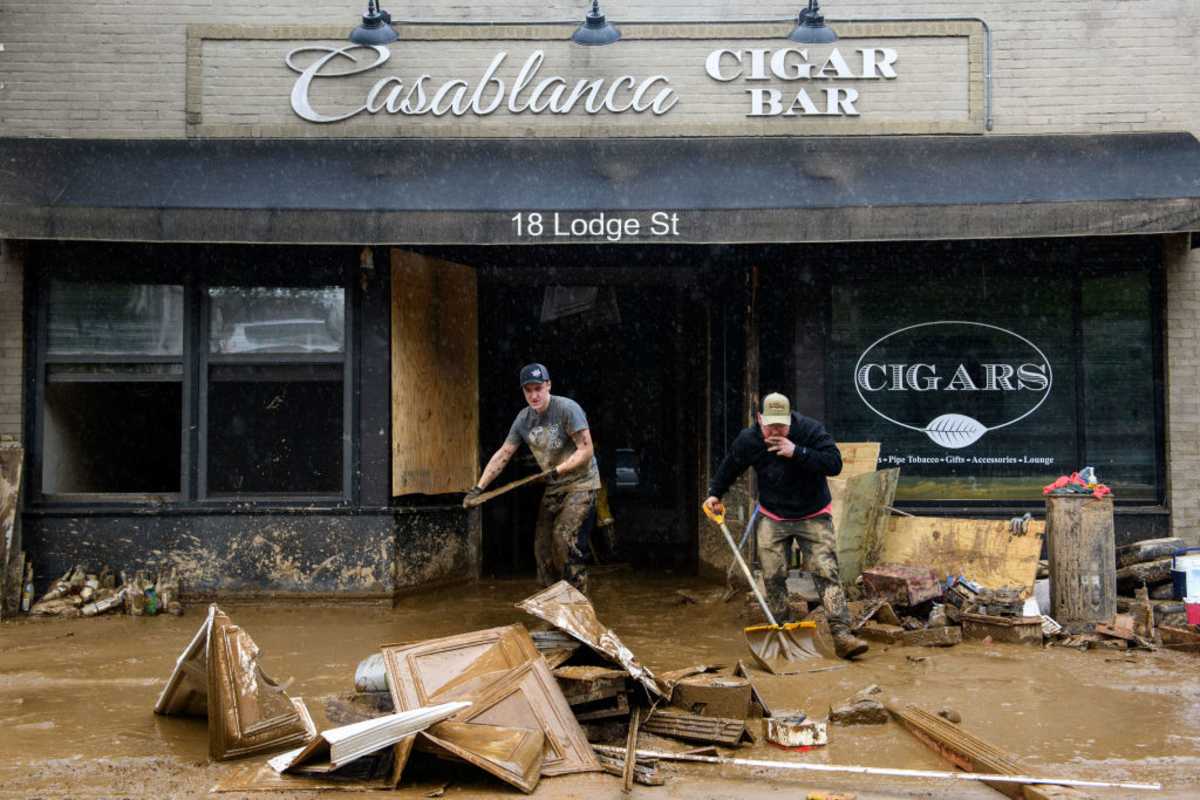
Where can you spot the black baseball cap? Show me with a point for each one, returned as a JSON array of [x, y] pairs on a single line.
[[534, 373]]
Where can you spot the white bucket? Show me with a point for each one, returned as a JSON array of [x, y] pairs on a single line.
[[1188, 567]]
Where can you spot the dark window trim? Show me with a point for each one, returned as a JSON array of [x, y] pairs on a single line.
[[181, 266]]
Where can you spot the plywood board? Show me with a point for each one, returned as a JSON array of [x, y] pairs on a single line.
[[858, 457], [435, 369], [11, 460], [860, 517], [984, 550]]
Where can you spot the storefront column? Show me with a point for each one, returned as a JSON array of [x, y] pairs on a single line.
[[11, 338], [1183, 385]]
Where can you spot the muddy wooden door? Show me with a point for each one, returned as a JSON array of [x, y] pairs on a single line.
[[435, 367]]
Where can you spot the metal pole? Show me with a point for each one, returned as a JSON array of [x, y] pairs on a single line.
[[899, 773]]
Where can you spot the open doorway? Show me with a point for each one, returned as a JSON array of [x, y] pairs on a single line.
[[627, 343]]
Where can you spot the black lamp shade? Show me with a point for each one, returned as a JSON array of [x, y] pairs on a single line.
[[376, 28], [596, 29], [811, 28]]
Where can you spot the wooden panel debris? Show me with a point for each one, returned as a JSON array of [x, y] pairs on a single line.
[[635, 721], [858, 458], [11, 559], [529, 697], [713, 696], [645, 772], [984, 550], [860, 517], [961, 748], [1011, 630], [247, 711], [435, 367], [441, 669], [742, 671], [695, 728], [566, 608], [514, 755]]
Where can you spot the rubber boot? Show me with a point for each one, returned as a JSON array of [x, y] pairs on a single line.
[[846, 644]]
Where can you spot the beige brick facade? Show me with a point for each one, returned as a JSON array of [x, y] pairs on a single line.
[[1183, 386], [11, 347]]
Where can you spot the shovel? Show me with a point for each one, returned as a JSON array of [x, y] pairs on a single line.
[[780, 649]]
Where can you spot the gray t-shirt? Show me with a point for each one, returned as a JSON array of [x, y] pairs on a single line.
[[549, 438]]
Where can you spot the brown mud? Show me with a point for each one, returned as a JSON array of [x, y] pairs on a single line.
[[76, 699]]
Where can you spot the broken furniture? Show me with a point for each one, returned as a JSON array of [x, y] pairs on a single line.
[[218, 676], [510, 686], [566, 608]]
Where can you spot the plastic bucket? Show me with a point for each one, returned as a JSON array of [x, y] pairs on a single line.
[[1185, 573], [1192, 604]]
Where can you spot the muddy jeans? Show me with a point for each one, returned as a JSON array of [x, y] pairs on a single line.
[[818, 550], [560, 542]]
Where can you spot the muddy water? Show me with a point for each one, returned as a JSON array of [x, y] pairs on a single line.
[[76, 698]]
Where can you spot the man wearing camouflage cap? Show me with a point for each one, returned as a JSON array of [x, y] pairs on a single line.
[[792, 455], [556, 430]]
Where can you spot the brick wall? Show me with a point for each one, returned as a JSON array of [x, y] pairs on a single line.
[[11, 339], [1183, 387], [117, 67]]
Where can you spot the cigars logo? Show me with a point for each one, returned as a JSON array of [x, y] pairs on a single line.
[[954, 381]]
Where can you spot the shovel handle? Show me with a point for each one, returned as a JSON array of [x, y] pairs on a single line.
[[737, 554]]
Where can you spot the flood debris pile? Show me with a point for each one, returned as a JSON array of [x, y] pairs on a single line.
[[80, 593], [521, 707]]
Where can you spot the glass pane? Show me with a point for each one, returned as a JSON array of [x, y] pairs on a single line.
[[112, 437], [1118, 362], [277, 437], [965, 373], [266, 319], [115, 319]]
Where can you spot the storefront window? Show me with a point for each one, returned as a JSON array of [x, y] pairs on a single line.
[[986, 377], [193, 392], [113, 400], [274, 424]]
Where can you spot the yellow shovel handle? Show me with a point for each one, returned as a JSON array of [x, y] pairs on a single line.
[[714, 516]]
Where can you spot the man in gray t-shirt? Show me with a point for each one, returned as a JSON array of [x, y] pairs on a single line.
[[556, 430]]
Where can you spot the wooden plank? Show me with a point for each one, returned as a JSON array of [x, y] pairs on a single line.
[[693, 727], [11, 460], [1147, 550], [965, 750], [984, 550], [435, 368], [860, 517], [635, 720], [858, 458]]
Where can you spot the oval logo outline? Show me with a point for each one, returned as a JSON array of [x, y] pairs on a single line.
[[952, 430]]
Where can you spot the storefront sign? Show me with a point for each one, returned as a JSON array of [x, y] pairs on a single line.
[[916, 377], [534, 93], [515, 80], [527, 93]]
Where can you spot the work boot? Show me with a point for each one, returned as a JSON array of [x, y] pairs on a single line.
[[846, 644]]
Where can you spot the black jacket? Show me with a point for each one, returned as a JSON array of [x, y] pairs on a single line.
[[787, 487]]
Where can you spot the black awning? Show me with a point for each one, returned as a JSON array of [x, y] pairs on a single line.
[[359, 191]]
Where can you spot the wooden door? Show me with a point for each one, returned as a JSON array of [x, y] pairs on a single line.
[[435, 369]]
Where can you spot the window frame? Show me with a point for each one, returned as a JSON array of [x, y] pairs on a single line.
[[169, 264]]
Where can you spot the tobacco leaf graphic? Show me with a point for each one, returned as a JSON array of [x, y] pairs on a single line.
[[955, 430]]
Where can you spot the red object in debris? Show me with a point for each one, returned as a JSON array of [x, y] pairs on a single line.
[[902, 585], [1098, 489]]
